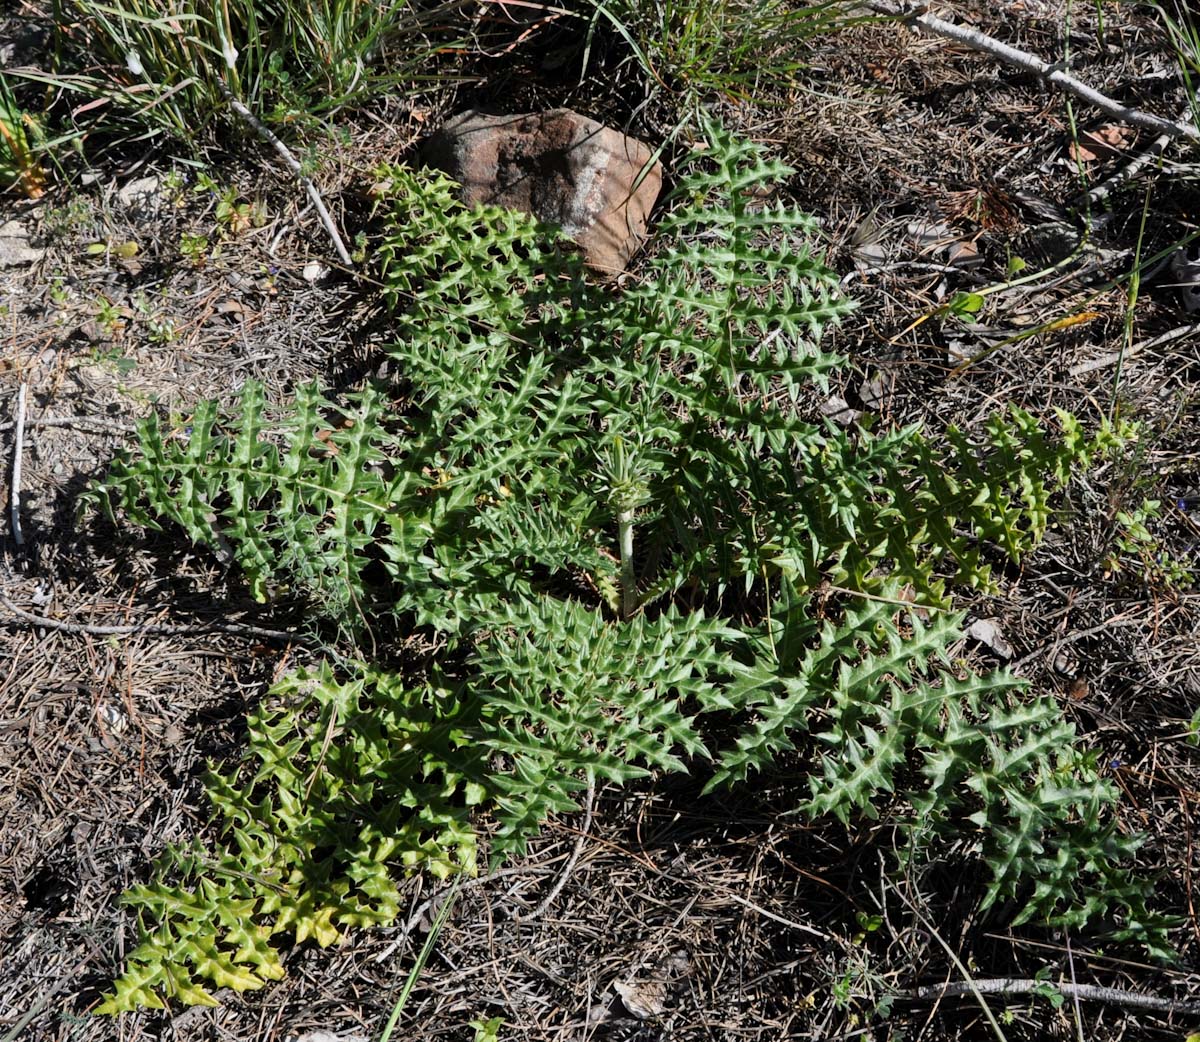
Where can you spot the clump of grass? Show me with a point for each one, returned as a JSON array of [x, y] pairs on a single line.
[[1183, 33], [738, 48], [166, 66]]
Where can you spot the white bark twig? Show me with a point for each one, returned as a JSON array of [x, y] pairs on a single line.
[[1084, 992], [555, 890], [87, 424], [1178, 333], [238, 629], [978, 41], [427, 905], [293, 165], [1098, 193], [18, 451], [629, 593]]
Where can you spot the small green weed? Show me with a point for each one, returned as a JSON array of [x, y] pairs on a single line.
[[110, 316], [60, 295], [121, 364], [236, 216], [161, 331], [487, 1030], [233, 214], [860, 988], [74, 218], [194, 248], [1138, 553], [174, 187], [159, 328]]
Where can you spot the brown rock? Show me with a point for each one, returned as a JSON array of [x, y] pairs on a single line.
[[561, 167]]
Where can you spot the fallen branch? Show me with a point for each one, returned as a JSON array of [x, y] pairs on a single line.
[[1050, 650], [709, 888], [1082, 992], [978, 41], [293, 165]]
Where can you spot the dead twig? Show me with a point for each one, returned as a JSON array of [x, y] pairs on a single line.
[[730, 895], [293, 165], [1098, 193], [88, 424], [1053, 647], [18, 450], [978, 41], [1166, 338], [555, 890], [239, 629], [968, 985], [427, 905], [40, 1003], [1082, 992]]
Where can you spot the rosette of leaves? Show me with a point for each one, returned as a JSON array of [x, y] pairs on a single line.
[[563, 478]]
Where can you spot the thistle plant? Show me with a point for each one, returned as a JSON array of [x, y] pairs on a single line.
[[565, 476]]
